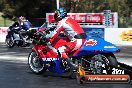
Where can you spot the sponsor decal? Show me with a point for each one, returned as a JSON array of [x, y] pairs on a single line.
[[87, 18], [108, 78], [90, 42], [109, 47], [117, 71], [117, 76], [94, 32], [126, 35], [82, 17], [50, 59]]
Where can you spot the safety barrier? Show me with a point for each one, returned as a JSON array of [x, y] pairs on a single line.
[[118, 36], [3, 33]]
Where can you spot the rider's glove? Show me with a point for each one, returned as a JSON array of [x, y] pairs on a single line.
[[49, 29]]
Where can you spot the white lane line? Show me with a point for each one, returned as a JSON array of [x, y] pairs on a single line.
[[14, 59], [127, 61], [24, 59]]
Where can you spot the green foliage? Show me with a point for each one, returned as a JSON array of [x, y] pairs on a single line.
[[123, 7], [1, 5], [29, 8], [5, 22], [38, 8]]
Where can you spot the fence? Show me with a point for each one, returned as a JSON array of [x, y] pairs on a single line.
[[118, 36]]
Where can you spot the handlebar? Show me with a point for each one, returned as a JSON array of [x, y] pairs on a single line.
[[38, 37], [15, 29]]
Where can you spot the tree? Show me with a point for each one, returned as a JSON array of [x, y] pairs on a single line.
[[31, 8], [123, 9], [28, 8], [1, 5], [38, 8]]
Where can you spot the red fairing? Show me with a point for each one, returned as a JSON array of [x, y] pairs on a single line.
[[74, 25], [49, 52]]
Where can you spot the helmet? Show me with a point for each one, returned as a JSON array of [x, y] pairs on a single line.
[[59, 14]]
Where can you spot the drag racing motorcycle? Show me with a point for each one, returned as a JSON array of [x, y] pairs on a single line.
[[16, 36], [95, 57]]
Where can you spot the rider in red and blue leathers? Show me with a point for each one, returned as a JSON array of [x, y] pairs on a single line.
[[72, 30]]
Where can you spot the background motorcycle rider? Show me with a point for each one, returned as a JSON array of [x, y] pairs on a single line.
[[22, 23], [17, 31], [25, 25]]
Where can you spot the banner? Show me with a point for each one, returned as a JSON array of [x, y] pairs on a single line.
[[94, 32], [120, 36], [80, 17], [3, 33], [87, 18]]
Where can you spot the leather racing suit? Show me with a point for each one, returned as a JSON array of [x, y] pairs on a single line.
[[74, 33]]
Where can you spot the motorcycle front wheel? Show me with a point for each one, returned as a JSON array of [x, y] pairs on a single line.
[[35, 63], [9, 41]]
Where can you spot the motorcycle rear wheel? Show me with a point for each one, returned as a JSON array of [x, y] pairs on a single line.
[[99, 63], [103, 63], [35, 63]]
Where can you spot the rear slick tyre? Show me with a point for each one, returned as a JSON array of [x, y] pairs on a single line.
[[103, 62]]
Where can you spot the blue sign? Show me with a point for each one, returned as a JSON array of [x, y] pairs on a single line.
[[94, 32]]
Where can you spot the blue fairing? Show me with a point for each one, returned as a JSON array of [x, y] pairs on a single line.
[[56, 67], [97, 45]]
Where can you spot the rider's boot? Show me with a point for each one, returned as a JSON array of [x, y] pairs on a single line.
[[68, 60]]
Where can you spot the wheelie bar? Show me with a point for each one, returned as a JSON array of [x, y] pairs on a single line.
[[127, 69], [120, 74]]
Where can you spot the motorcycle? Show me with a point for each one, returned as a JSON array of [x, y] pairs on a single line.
[[95, 56], [16, 36]]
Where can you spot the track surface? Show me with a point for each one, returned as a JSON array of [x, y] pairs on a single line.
[[14, 72]]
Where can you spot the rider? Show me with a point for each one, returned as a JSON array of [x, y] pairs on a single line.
[[72, 30], [24, 23]]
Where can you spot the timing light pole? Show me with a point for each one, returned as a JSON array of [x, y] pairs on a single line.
[[57, 3]]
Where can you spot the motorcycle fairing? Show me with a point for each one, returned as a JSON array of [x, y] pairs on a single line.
[[96, 45], [55, 65], [49, 59]]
